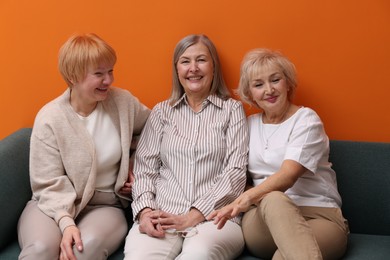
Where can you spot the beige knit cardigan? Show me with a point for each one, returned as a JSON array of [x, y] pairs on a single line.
[[62, 154]]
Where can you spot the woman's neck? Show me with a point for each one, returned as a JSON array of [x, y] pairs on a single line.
[[82, 108], [195, 102], [278, 116]]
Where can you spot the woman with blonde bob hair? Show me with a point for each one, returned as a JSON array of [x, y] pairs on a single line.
[[259, 59], [80, 169], [292, 209]]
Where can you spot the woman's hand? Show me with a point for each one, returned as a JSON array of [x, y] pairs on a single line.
[[70, 237], [127, 186], [178, 222], [148, 223], [241, 204]]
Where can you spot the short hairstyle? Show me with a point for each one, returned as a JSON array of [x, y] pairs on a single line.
[[81, 52], [258, 59], [218, 86]]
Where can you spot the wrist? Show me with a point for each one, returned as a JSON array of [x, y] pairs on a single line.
[[195, 217], [143, 212]]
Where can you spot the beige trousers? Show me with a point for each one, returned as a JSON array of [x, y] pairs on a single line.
[[278, 229], [102, 226], [209, 244]]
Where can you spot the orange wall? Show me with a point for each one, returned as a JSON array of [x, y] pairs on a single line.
[[341, 50]]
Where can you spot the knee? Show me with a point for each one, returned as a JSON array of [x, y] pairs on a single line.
[[275, 199], [212, 251], [95, 245], [202, 252], [275, 196], [276, 204]]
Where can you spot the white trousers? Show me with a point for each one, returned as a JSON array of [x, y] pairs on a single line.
[[209, 244]]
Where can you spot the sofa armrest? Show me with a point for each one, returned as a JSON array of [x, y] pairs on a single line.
[[15, 189]]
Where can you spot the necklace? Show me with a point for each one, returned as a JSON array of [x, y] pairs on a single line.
[[266, 139]]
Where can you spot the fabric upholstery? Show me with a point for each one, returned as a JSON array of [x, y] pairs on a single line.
[[15, 188], [363, 173]]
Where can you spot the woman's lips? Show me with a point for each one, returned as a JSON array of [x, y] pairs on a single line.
[[272, 99]]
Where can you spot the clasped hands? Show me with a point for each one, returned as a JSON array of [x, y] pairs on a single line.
[[156, 223]]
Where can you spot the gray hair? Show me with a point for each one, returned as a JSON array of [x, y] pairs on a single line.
[[218, 86]]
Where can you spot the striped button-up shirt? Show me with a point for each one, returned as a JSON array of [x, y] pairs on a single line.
[[190, 160]]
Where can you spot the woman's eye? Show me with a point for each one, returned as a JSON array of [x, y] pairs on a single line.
[[276, 80], [98, 73], [257, 85]]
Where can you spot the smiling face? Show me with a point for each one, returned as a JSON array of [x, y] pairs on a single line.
[[269, 89], [93, 88], [195, 70]]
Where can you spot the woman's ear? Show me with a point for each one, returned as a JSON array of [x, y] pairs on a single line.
[[72, 82]]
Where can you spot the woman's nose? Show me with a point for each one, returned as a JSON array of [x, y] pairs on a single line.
[[108, 79], [268, 88], [193, 66]]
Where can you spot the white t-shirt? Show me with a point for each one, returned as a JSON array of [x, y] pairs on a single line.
[[300, 138], [107, 147]]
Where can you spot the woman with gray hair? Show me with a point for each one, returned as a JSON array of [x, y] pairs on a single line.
[[292, 211], [191, 160]]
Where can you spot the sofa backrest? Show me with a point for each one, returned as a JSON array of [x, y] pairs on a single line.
[[15, 186], [363, 176]]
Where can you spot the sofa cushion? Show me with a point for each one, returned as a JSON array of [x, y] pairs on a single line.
[[361, 246], [15, 182], [11, 251]]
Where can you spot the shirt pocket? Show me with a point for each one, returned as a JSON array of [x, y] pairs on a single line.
[[215, 135]]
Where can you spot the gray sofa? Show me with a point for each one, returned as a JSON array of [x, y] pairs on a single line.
[[363, 172]]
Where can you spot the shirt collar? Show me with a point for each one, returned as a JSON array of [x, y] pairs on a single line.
[[213, 99]]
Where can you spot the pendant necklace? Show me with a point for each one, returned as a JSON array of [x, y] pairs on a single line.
[[266, 139], [269, 137]]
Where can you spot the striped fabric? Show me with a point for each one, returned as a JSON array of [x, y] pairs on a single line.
[[186, 159]]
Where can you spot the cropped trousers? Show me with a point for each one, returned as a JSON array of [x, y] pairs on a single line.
[[102, 225], [278, 229]]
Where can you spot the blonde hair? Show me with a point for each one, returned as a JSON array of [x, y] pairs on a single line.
[[81, 52], [259, 59]]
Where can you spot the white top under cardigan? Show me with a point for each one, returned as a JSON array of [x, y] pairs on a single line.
[[107, 146], [300, 138]]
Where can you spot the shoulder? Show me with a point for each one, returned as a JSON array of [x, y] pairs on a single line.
[[307, 114], [120, 94], [52, 117], [163, 107], [229, 107], [124, 100], [254, 118], [232, 103], [53, 111]]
